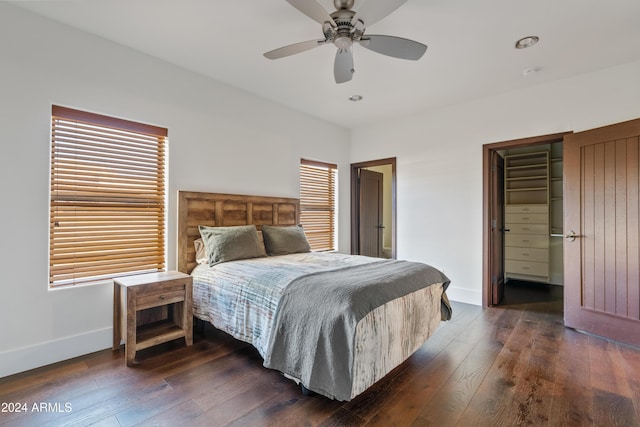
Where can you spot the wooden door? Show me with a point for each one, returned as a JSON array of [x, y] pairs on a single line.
[[602, 260], [497, 228], [371, 199]]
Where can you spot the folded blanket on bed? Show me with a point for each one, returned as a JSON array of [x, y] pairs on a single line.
[[317, 315]]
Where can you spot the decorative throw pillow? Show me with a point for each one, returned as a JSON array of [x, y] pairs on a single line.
[[224, 244], [285, 240]]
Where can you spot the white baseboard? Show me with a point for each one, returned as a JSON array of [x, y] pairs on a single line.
[[34, 356]]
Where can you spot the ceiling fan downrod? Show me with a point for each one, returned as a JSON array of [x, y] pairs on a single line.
[[343, 4]]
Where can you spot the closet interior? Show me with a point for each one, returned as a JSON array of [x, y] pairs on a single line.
[[533, 207]]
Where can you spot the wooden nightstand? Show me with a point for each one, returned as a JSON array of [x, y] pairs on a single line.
[[163, 297]]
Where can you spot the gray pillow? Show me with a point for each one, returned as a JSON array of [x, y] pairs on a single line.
[[285, 240], [224, 244]]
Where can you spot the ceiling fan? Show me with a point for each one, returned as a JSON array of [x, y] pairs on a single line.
[[344, 27]]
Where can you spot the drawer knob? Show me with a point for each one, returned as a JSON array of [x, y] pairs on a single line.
[[161, 297]]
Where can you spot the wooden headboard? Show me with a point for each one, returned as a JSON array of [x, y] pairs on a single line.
[[225, 210]]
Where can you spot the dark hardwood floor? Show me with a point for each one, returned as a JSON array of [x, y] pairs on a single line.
[[506, 366], [533, 296]]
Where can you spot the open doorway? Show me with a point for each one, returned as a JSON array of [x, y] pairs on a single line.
[[522, 221], [373, 208]]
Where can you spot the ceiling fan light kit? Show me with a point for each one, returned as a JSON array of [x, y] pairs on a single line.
[[345, 27]]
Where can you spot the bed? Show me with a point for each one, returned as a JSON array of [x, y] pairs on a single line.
[[332, 322]]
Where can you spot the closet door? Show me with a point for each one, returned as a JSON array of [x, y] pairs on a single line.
[[371, 200]]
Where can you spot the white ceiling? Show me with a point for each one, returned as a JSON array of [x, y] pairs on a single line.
[[471, 50]]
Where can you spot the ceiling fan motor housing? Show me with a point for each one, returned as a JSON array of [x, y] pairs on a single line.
[[344, 33]]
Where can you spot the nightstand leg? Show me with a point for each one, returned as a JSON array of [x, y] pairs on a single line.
[[130, 343], [187, 315], [117, 317]]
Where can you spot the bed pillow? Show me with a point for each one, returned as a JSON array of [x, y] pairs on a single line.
[[201, 252], [224, 244], [285, 240]]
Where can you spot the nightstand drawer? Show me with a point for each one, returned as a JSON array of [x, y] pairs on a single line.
[[167, 296]]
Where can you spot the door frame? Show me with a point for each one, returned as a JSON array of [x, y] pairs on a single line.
[[355, 201], [487, 200], [496, 211]]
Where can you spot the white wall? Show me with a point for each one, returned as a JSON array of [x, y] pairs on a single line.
[[439, 160], [220, 140]]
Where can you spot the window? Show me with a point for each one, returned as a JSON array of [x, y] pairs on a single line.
[[318, 203], [107, 211]]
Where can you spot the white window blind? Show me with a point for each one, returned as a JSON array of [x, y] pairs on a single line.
[[107, 211], [318, 203]]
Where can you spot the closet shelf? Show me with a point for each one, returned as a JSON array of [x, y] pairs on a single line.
[[531, 166], [525, 178], [527, 189]]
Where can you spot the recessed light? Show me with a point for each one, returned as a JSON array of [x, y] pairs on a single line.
[[526, 42], [355, 98]]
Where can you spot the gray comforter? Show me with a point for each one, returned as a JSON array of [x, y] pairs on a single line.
[[314, 329]]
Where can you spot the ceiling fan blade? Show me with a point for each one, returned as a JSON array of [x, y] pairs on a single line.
[[313, 10], [394, 46], [374, 10], [292, 49], [343, 66]]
